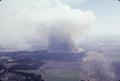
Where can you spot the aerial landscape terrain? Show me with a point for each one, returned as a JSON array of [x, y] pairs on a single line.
[[59, 40], [94, 63]]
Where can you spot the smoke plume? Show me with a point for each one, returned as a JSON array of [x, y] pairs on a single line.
[[28, 24]]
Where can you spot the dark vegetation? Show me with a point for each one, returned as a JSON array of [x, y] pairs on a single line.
[[41, 55], [25, 62], [116, 66], [28, 76]]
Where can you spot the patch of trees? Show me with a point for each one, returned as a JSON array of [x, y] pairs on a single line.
[[28, 76]]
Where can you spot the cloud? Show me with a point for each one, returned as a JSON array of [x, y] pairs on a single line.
[[26, 21], [73, 2]]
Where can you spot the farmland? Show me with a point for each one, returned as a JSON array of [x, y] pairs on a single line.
[[61, 71]]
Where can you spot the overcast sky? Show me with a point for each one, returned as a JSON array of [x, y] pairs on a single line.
[[22, 20]]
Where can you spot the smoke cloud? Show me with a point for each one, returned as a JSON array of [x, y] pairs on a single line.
[[27, 24]]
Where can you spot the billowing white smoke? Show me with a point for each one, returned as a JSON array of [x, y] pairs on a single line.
[[27, 23]]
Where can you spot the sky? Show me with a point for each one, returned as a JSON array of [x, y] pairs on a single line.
[[26, 21], [107, 14]]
